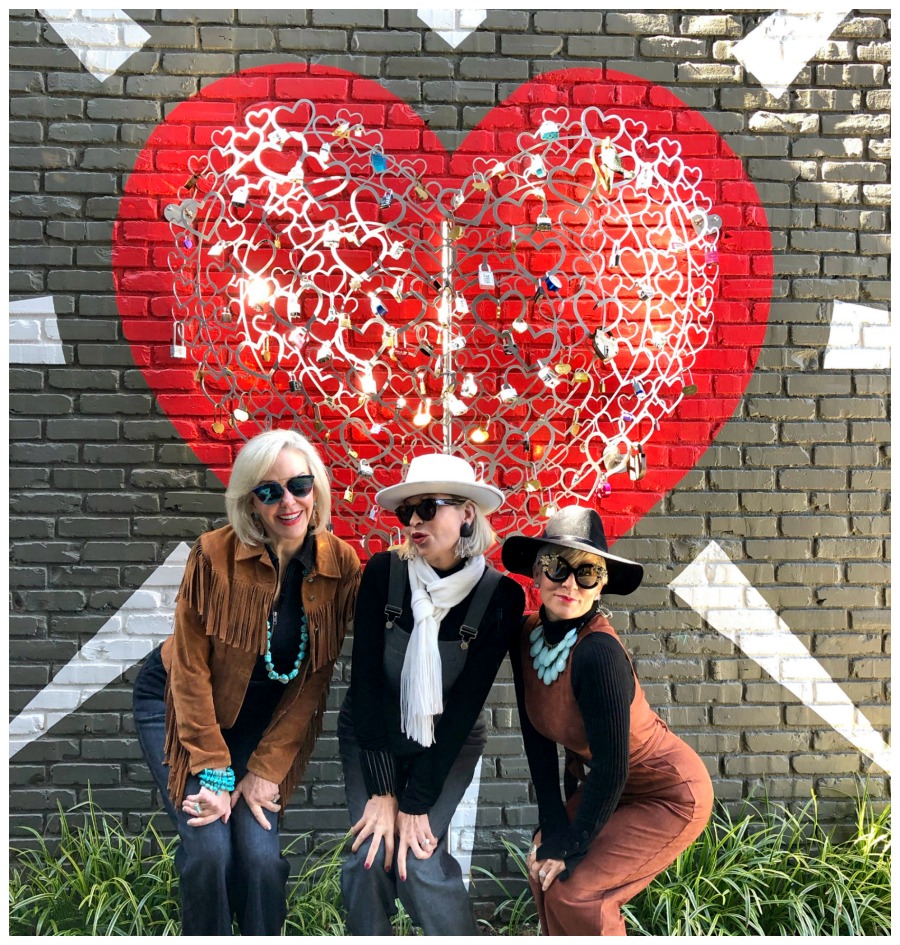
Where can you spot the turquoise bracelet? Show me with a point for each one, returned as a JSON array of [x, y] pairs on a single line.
[[217, 779]]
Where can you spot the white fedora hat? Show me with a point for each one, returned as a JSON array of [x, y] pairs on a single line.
[[441, 473]]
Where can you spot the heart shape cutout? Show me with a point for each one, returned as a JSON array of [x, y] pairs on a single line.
[[552, 301]]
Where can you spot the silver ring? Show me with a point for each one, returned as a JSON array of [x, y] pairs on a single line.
[[543, 874], [426, 842], [197, 806]]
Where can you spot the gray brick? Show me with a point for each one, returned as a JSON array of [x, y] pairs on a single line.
[[826, 99], [348, 18], [861, 124], [755, 146], [84, 83], [668, 47], [499, 69], [160, 86], [600, 47], [853, 171], [225, 37], [720, 25], [391, 41], [26, 132], [782, 170], [568, 21], [44, 502], [311, 39], [115, 109], [795, 123], [197, 63], [462, 92], [480, 41], [852, 75], [652, 71], [41, 158], [826, 289], [823, 241], [517, 45], [45, 106], [639, 23]]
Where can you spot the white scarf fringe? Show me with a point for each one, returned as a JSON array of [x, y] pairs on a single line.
[[421, 690]]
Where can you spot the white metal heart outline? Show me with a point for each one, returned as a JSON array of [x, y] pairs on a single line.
[[539, 312]]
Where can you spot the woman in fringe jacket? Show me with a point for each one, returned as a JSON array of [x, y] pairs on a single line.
[[229, 707]]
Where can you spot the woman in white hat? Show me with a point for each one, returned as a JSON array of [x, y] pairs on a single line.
[[637, 794], [433, 623]]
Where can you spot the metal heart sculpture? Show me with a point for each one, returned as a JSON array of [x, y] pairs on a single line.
[[557, 301]]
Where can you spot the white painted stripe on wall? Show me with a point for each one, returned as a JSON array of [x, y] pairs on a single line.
[[859, 340], [453, 24], [101, 39], [140, 624], [717, 590], [462, 826], [34, 332], [782, 45]]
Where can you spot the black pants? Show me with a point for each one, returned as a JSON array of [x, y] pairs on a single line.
[[223, 869]]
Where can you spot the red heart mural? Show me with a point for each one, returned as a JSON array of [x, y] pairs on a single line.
[[578, 293]]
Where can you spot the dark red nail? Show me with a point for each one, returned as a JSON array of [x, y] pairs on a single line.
[[368, 866]]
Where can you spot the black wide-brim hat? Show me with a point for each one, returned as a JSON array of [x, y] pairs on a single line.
[[580, 529]]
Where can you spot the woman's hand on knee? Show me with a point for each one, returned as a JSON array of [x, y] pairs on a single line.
[[206, 806], [378, 822], [546, 871], [531, 859], [258, 793], [415, 834]]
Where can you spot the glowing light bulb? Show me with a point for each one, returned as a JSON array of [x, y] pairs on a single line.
[[367, 381], [480, 434], [422, 416], [259, 292]]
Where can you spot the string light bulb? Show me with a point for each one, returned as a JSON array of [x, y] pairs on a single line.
[[422, 416], [481, 433], [259, 292]]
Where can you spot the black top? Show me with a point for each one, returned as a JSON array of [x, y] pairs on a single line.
[[426, 770], [603, 684]]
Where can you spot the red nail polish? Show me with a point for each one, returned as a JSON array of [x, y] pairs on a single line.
[[368, 866]]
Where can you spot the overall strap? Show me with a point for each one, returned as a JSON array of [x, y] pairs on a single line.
[[396, 586], [484, 591]]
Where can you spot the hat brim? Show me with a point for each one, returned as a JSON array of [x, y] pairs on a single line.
[[519, 552], [487, 498]]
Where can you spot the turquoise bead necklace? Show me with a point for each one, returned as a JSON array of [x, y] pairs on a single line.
[[551, 661], [283, 678]]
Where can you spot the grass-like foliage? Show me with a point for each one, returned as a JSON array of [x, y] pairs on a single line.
[[767, 872]]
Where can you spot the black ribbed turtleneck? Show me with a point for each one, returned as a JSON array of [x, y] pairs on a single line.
[[603, 685]]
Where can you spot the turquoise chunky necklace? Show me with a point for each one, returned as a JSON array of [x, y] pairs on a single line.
[[551, 661], [271, 624]]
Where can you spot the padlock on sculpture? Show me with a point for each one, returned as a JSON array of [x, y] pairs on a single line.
[[179, 348], [486, 277]]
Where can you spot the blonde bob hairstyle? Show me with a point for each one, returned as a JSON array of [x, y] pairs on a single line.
[[574, 556], [477, 543], [250, 468]]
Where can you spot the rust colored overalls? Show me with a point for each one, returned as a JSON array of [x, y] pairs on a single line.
[[666, 803]]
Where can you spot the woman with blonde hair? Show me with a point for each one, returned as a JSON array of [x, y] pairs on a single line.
[[433, 623], [229, 707], [636, 794]]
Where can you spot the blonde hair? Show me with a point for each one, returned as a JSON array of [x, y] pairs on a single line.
[[477, 543], [255, 459]]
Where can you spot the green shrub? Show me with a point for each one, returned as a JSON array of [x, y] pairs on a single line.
[[768, 872]]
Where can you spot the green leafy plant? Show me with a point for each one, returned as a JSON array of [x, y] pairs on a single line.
[[768, 871]]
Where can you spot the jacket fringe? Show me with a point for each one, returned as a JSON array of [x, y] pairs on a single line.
[[242, 624], [301, 759], [174, 754]]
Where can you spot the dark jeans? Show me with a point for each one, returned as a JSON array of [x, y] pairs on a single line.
[[224, 869]]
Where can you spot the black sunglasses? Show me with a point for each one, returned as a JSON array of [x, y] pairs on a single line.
[[557, 569], [426, 509], [269, 493]]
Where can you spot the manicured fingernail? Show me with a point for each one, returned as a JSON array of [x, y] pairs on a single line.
[[368, 866]]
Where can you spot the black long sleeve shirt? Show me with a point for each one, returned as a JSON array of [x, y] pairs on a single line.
[[425, 770], [603, 685]]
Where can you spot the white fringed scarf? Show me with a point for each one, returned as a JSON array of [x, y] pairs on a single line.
[[421, 695]]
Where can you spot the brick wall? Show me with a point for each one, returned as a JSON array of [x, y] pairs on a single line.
[[794, 489]]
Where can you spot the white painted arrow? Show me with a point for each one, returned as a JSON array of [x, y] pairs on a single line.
[[452, 25], [859, 340], [714, 587], [143, 621], [101, 39], [34, 333], [783, 44]]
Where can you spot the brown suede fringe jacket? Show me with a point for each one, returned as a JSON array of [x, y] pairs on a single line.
[[220, 629]]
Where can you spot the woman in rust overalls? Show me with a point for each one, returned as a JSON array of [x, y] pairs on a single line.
[[637, 795]]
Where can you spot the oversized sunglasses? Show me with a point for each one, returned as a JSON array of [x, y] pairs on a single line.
[[426, 509], [557, 569], [269, 493]]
